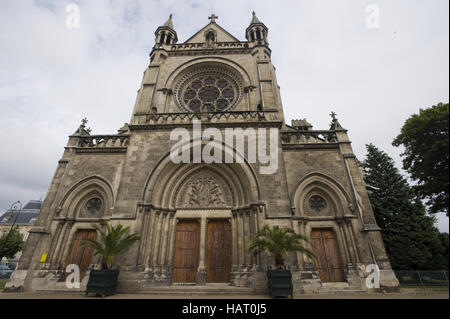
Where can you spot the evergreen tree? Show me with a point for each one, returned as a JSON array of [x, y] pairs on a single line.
[[411, 240], [14, 244]]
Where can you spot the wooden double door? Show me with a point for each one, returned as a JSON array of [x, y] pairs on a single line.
[[328, 262], [218, 251], [81, 256]]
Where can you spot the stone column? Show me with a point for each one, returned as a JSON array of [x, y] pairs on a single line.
[[246, 233], [234, 250], [54, 243], [352, 240], [164, 239], [156, 233], [63, 243], [170, 252], [240, 239], [144, 234], [350, 244], [344, 241], [148, 252], [298, 229], [201, 272]]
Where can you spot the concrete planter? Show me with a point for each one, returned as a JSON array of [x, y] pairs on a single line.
[[280, 283], [102, 282]]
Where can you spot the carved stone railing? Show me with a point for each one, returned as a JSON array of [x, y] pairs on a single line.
[[217, 45], [308, 137], [104, 141], [211, 117]]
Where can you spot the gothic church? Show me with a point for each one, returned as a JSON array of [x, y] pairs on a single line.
[[196, 219]]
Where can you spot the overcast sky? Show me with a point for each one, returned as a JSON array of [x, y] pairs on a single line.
[[325, 56]]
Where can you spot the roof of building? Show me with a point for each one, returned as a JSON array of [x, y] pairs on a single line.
[[255, 19], [169, 23], [33, 204], [26, 216]]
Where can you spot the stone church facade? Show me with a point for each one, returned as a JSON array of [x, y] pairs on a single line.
[[196, 219]]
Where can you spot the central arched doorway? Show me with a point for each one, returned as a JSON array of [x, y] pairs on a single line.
[[198, 220]]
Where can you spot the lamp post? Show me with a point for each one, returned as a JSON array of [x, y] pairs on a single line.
[[14, 207]]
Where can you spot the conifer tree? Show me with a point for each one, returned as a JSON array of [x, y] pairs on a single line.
[[411, 240]]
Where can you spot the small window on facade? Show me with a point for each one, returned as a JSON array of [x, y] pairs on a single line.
[[317, 203], [94, 205], [169, 37], [161, 40]]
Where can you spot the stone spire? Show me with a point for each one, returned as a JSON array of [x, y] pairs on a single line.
[[169, 23], [255, 19], [166, 33]]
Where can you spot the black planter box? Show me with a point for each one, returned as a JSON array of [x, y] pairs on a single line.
[[102, 282], [280, 283]]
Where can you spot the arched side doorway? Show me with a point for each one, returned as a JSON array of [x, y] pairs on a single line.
[[328, 220], [86, 202], [328, 262]]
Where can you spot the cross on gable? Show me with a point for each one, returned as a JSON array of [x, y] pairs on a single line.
[[213, 18], [333, 115]]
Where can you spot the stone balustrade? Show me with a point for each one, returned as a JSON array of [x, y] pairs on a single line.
[[211, 117], [217, 45], [104, 141], [308, 137]]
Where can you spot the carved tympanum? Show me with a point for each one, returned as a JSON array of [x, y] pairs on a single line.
[[204, 192]]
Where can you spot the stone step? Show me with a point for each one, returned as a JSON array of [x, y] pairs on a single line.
[[171, 290], [343, 292], [338, 288], [198, 290], [335, 285]]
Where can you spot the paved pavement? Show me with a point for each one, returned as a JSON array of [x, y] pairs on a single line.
[[404, 294]]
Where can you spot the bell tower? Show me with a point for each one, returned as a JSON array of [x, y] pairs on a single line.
[[166, 34], [256, 31]]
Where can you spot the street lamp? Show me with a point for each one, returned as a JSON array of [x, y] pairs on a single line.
[[14, 207]]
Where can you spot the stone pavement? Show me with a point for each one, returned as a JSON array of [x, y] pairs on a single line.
[[404, 294]]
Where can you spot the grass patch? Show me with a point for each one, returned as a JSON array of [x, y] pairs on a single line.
[[424, 287], [3, 283]]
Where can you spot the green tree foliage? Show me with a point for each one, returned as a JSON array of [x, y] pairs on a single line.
[[409, 235], [444, 241], [112, 242], [14, 244], [278, 241], [425, 138]]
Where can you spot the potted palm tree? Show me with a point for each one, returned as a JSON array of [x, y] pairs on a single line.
[[112, 242], [277, 242]]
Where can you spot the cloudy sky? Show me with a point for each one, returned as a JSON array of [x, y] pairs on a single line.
[[326, 58]]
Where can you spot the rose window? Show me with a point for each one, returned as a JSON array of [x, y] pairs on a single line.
[[94, 205], [209, 90], [317, 203]]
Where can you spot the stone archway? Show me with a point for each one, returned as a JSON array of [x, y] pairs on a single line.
[[221, 198]]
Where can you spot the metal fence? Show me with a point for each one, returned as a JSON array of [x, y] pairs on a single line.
[[422, 277]]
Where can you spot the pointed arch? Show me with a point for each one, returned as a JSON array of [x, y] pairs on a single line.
[[90, 185], [323, 185], [240, 178]]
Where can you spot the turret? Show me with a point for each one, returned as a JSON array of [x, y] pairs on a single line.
[[256, 31], [166, 34]]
